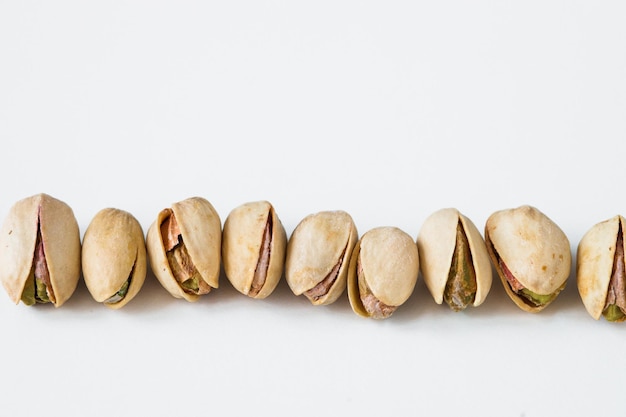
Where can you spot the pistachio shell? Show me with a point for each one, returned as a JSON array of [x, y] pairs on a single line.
[[436, 244], [61, 239], [319, 248], [389, 261], [533, 248], [114, 252], [243, 246], [201, 232], [594, 263]]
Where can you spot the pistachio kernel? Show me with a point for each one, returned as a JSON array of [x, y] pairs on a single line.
[[461, 286], [615, 305], [178, 258]]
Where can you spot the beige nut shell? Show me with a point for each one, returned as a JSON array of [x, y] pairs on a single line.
[[113, 249], [242, 239], [390, 261], [314, 248], [61, 239], [594, 263], [201, 230], [436, 243], [533, 247]]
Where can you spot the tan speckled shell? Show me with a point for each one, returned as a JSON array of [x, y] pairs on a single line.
[[436, 243], [594, 263], [201, 229], [533, 247], [241, 246], [390, 262], [315, 247], [61, 240], [113, 249]]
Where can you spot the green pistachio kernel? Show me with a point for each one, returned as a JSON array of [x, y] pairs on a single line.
[[120, 294], [537, 299], [614, 313], [461, 285]]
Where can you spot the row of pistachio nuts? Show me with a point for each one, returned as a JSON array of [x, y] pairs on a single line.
[[325, 255], [40, 257], [316, 261], [529, 251]]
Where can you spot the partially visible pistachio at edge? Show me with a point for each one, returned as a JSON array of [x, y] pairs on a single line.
[[601, 270], [531, 255], [384, 268], [253, 249], [40, 251], [114, 257], [318, 256], [184, 248], [454, 260]]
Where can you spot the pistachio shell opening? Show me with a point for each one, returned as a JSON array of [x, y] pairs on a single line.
[[183, 246], [114, 257], [383, 272], [531, 255], [601, 275], [253, 249], [318, 256], [40, 256]]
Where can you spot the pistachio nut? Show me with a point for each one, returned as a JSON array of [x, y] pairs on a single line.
[[454, 259], [184, 248], [253, 248], [531, 255], [600, 270], [40, 251], [318, 256], [383, 272], [114, 257]]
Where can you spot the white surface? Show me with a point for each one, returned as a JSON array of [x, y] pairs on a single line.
[[388, 110]]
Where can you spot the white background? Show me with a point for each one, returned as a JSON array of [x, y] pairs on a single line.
[[388, 110]]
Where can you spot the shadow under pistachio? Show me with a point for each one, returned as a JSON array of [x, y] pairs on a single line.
[[420, 305]]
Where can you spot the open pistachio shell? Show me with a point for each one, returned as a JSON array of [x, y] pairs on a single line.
[[184, 248], [454, 259], [600, 270], [383, 272], [253, 248], [114, 257], [318, 255], [531, 255], [40, 251]]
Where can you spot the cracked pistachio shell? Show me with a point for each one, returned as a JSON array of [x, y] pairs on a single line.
[[533, 248], [437, 241], [61, 241], [389, 260], [114, 253], [201, 232], [253, 248], [319, 251], [594, 263]]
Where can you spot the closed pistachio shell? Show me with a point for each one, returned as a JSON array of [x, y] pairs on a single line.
[[40, 241], [600, 269], [184, 244], [318, 256], [253, 248], [448, 243], [531, 255], [383, 272], [114, 257]]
